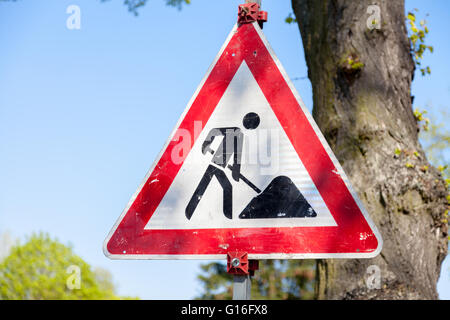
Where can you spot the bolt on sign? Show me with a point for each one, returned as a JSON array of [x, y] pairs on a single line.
[[246, 169]]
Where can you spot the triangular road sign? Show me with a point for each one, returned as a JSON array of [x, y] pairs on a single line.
[[246, 169]]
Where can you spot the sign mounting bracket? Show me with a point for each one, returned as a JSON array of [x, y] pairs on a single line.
[[250, 12], [242, 270]]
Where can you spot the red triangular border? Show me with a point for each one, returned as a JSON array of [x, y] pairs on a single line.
[[354, 236]]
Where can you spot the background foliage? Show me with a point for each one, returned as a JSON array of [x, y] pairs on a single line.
[[37, 270]]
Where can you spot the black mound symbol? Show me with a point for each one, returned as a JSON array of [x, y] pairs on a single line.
[[281, 199]]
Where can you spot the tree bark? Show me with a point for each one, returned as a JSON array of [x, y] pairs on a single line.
[[361, 80]]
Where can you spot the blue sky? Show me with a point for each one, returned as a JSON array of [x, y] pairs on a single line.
[[84, 113]]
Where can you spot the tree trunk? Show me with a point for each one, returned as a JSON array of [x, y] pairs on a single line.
[[361, 80]]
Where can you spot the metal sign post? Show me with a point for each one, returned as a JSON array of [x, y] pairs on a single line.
[[237, 263], [242, 287]]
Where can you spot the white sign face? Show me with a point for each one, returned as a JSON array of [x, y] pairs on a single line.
[[266, 154]]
